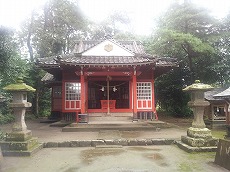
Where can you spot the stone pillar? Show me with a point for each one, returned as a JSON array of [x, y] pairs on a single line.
[[228, 132], [199, 138], [19, 142]]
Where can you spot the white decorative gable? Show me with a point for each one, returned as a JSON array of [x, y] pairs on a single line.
[[107, 48]]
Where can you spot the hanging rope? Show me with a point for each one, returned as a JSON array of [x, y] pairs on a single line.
[[111, 85]]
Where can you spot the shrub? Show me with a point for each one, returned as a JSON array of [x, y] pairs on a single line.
[[6, 118]]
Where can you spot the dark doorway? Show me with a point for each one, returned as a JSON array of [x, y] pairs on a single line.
[[118, 90]]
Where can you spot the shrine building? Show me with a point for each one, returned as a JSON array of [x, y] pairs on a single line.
[[104, 78]]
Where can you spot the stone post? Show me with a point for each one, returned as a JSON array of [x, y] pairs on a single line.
[[199, 138], [19, 142]]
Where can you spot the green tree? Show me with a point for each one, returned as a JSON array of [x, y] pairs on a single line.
[[184, 32], [55, 30], [112, 26], [50, 33], [11, 64], [11, 67], [222, 47]]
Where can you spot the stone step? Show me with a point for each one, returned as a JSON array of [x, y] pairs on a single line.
[[110, 118], [110, 115], [121, 126]]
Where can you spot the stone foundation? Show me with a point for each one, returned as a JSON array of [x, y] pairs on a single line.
[[20, 144], [198, 140]]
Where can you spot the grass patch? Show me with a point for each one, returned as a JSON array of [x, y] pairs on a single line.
[[189, 167], [218, 134]]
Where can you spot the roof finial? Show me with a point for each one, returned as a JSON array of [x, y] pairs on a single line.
[[108, 36]]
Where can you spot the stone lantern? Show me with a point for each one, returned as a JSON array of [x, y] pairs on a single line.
[[20, 141], [199, 138]]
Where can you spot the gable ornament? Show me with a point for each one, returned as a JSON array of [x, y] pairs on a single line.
[[108, 47]]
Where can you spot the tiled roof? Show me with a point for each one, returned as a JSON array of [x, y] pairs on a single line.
[[47, 77], [223, 94], [166, 61], [76, 58], [48, 61], [105, 60], [208, 95], [88, 60]]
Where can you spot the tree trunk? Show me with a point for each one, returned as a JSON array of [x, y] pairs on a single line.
[[29, 38], [36, 103]]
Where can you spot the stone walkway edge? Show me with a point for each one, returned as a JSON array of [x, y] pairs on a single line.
[[97, 142]]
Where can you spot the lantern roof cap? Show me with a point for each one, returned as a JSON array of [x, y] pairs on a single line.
[[198, 86], [19, 86]]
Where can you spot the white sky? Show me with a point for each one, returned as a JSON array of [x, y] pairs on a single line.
[[141, 12]]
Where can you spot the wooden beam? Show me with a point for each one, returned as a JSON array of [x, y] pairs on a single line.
[[106, 73]]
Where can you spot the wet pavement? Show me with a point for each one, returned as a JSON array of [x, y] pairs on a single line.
[[121, 159], [45, 133], [111, 158]]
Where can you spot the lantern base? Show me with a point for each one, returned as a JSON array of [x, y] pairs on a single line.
[[20, 144], [198, 140], [19, 136]]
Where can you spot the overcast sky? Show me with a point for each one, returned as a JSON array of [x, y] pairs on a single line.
[[141, 12]]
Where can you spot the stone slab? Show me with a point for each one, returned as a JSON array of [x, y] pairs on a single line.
[[191, 149], [111, 142], [222, 157], [162, 141], [108, 146]]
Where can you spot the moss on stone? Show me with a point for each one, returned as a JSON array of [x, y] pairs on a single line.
[[198, 86], [19, 86]]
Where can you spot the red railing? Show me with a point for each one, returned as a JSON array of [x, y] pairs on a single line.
[[104, 104]]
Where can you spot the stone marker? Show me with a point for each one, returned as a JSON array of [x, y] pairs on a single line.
[[223, 154], [19, 142], [228, 132], [199, 138]]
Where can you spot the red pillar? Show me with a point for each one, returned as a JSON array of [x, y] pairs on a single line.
[[134, 94], [153, 100], [63, 95], [82, 92]]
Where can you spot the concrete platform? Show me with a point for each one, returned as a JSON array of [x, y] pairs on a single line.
[[47, 134], [113, 125]]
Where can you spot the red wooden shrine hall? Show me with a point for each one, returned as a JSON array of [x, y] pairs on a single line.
[[104, 76]]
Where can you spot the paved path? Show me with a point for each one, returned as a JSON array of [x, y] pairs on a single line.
[[123, 159], [45, 133], [109, 159]]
